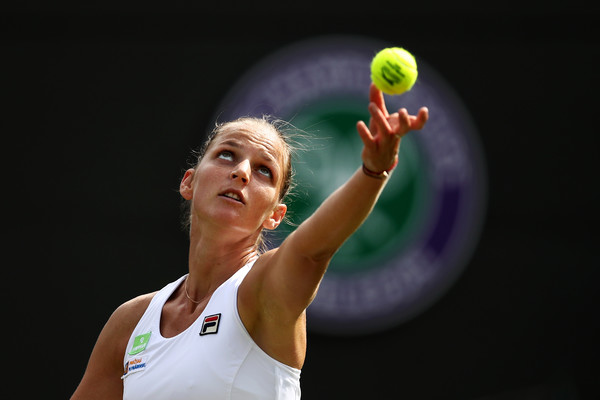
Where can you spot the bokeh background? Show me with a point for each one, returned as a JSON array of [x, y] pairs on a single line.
[[103, 103]]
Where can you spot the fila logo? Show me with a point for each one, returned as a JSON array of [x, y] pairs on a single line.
[[210, 324]]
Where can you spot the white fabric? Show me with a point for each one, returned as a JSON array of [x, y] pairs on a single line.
[[222, 365]]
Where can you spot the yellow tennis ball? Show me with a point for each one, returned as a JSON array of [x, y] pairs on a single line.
[[394, 70]]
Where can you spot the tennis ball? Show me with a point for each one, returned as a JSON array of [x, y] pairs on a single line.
[[394, 70]]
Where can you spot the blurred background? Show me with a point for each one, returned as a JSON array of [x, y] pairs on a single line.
[[103, 104]]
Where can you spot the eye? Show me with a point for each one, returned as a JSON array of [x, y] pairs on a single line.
[[225, 155], [265, 171]]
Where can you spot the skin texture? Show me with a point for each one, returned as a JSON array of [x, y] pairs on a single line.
[[235, 193]]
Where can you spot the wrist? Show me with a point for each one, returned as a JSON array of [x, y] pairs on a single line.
[[377, 175], [381, 174]]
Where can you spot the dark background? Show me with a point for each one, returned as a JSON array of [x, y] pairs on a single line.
[[103, 103]]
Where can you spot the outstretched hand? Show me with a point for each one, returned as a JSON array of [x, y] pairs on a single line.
[[382, 138]]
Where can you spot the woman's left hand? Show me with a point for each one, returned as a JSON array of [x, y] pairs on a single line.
[[382, 138]]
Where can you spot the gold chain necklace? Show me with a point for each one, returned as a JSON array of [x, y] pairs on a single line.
[[187, 295]]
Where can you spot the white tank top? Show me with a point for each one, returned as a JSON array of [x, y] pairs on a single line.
[[215, 358]]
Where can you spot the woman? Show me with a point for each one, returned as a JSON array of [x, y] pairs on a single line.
[[235, 326]]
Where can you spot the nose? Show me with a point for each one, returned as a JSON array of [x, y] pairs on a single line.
[[242, 172]]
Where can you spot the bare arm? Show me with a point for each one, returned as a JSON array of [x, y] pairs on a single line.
[[102, 377], [297, 267]]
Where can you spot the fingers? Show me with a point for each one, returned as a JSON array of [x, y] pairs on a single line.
[[379, 119], [418, 122], [364, 133], [398, 123], [376, 96], [404, 120]]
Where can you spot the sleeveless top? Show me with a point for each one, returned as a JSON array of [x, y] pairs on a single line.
[[214, 358]]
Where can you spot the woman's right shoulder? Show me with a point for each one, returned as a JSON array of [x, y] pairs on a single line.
[[123, 321], [101, 378], [128, 314]]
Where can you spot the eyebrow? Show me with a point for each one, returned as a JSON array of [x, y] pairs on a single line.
[[234, 143]]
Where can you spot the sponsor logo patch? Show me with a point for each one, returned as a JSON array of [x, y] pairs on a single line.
[[134, 365], [210, 324], [139, 343]]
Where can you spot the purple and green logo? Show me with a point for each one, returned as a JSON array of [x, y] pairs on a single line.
[[421, 234]]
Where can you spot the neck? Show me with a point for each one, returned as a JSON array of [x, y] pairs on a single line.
[[214, 258]]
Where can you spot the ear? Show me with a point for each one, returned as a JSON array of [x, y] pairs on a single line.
[[185, 187], [276, 217]]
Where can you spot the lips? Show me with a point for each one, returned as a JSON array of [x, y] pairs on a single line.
[[234, 195]]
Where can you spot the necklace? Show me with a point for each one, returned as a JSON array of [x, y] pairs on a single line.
[[187, 295]]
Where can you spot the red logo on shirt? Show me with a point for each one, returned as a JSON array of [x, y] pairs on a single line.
[[210, 324]]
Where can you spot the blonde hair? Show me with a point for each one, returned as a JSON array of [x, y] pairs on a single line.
[[288, 135]]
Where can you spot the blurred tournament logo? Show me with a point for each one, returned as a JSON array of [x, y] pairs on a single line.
[[427, 222]]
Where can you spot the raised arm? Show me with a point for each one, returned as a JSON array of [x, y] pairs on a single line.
[[283, 282], [297, 267]]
